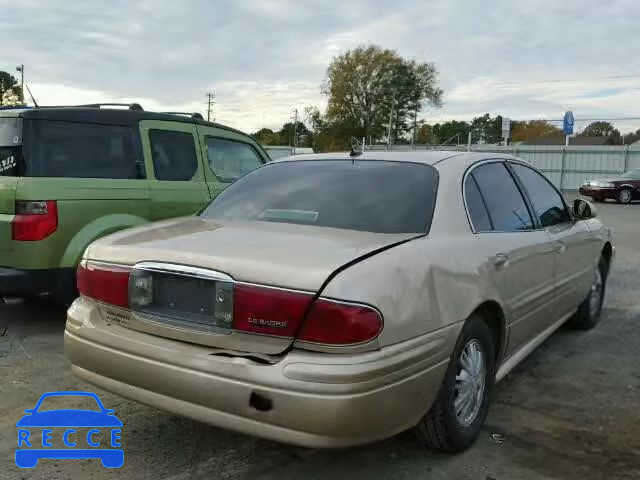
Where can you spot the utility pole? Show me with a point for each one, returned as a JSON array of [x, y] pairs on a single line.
[[210, 101], [20, 68], [393, 101], [295, 130], [415, 124]]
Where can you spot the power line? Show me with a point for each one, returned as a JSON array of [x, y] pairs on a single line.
[[588, 79]]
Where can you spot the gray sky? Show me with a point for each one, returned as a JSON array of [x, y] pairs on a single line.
[[523, 59]]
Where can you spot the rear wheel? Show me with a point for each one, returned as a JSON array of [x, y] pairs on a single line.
[[456, 417], [624, 195], [590, 310]]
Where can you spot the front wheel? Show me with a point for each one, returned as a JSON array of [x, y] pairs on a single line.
[[625, 195], [454, 421]]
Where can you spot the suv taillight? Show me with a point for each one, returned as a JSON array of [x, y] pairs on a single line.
[[104, 282], [281, 313], [34, 221]]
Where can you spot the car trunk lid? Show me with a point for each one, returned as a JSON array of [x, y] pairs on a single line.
[[191, 259]]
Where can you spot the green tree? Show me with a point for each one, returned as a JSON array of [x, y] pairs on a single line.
[[632, 137], [603, 129], [424, 133], [265, 136], [485, 129], [369, 85], [451, 132], [10, 93], [599, 129]]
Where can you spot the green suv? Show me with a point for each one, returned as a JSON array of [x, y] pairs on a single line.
[[70, 175]]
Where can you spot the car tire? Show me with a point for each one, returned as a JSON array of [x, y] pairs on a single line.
[[624, 195], [446, 427], [590, 310]]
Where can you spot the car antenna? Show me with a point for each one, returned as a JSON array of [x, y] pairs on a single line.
[[35, 104]]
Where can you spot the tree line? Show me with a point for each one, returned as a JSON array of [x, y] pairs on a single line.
[[376, 94], [10, 91]]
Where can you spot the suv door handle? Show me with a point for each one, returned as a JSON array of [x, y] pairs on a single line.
[[500, 260], [559, 246]]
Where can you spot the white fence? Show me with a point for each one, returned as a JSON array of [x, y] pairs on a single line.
[[567, 167]]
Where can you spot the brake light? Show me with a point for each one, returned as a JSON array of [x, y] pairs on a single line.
[[34, 220], [332, 322], [281, 313], [104, 282], [269, 311]]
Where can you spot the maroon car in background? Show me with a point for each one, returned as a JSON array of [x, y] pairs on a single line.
[[622, 189]]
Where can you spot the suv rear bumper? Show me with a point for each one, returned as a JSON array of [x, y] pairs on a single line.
[[59, 282]]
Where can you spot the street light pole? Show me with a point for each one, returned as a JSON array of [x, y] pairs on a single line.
[[20, 68]]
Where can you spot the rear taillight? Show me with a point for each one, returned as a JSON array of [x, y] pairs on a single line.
[[332, 322], [281, 313], [34, 221], [268, 311], [104, 282]]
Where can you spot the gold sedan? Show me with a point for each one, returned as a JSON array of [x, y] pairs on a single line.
[[333, 300]]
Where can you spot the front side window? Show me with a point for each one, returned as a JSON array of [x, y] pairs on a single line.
[[547, 203], [230, 160], [505, 205], [371, 196], [174, 155], [79, 150]]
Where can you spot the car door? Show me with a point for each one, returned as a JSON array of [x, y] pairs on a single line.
[[572, 240], [520, 256], [227, 157], [177, 181]]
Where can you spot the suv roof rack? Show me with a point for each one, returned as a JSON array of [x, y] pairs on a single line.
[[131, 106], [188, 114]]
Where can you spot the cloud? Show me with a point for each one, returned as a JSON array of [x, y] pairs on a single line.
[[264, 58]]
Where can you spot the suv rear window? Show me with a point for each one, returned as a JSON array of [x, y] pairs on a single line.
[[79, 150], [11, 163], [372, 196]]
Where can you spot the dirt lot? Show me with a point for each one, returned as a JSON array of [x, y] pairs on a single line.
[[570, 411]]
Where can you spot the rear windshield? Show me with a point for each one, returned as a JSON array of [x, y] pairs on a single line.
[[372, 196]]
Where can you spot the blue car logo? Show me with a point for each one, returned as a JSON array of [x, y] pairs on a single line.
[[97, 430]]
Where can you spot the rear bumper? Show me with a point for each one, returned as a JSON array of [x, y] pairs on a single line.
[[307, 399], [598, 193], [59, 282]]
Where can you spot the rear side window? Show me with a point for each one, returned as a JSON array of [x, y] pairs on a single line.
[[475, 204], [505, 205], [79, 150], [174, 155], [547, 202], [230, 160], [372, 196]]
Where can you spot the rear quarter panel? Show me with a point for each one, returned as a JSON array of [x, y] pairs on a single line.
[[422, 286], [87, 209]]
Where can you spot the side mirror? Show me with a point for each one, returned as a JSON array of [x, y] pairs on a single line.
[[583, 210]]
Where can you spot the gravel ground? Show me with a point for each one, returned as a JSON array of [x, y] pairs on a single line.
[[570, 410]]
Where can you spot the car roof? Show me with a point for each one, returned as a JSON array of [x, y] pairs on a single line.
[[108, 116], [432, 157]]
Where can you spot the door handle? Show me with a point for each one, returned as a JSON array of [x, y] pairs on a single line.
[[500, 260], [559, 246]]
